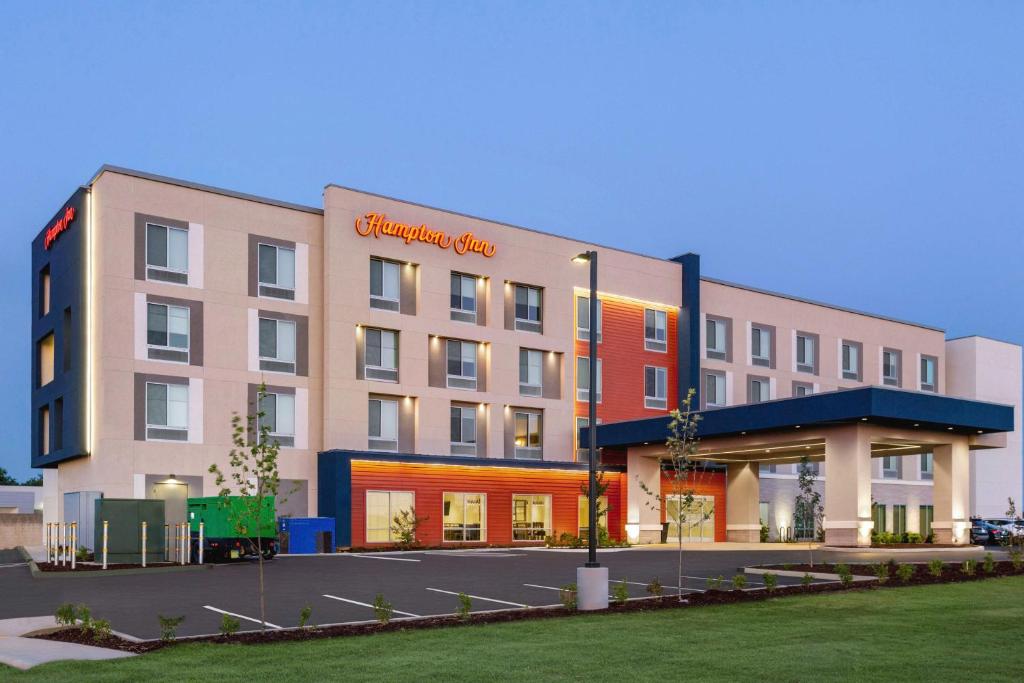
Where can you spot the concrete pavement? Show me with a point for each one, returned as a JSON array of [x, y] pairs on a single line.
[[24, 653]]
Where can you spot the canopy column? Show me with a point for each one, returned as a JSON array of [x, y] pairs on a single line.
[[743, 503], [848, 486], [951, 492]]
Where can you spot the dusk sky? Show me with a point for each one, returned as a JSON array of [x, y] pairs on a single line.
[[863, 154]]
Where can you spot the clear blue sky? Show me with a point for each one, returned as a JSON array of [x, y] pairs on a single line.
[[865, 154]]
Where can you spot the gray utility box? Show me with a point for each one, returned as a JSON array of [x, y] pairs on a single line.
[[124, 529], [79, 507]]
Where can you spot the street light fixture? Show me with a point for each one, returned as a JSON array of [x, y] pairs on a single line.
[[592, 578]]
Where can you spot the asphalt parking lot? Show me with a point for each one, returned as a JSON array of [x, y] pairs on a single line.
[[341, 588]]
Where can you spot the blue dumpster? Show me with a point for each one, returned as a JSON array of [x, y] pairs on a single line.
[[307, 535]]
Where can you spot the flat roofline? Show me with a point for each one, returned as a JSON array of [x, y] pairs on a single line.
[[501, 223], [462, 460], [107, 168], [982, 336], [844, 309]]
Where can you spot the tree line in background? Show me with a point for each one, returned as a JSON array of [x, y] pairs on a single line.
[[7, 480]]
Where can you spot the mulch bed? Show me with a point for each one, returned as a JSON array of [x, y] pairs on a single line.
[[951, 574], [91, 567]]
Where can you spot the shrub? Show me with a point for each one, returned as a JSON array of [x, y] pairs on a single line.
[[739, 582], [1017, 559], [404, 526], [620, 593], [304, 614], [905, 572], [968, 567], [763, 536], [935, 567], [845, 576], [989, 565], [65, 615], [383, 609], [654, 588], [84, 615], [806, 580], [915, 538], [101, 629], [771, 582], [465, 606], [715, 583], [882, 572], [787, 566], [169, 627], [229, 625], [569, 596]]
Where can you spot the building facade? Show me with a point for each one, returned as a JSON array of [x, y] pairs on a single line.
[[419, 358]]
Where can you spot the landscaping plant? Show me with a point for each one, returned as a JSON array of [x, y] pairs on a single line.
[[253, 465], [304, 614], [654, 588], [905, 572], [681, 445], [404, 528], [465, 606], [568, 595], [882, 572], [101, 629], [806, 580], [229, 625], [1017, 559], [65, 615], [715, 583], [739, 582], [807, 505], [771, 582], [383, 609], [169, 627], [989, 564], [620, 593], [968, 567], [84, 615], [935, 568], [845, 575]]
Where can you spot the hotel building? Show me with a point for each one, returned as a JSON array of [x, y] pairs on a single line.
[[416, 357]]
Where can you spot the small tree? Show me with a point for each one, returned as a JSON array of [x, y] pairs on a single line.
[[255, 478], [602, 488], [405, 526], [682, 446], [807, 507], [1015, 537]]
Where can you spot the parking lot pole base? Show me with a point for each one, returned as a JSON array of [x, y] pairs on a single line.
[[591, 588]]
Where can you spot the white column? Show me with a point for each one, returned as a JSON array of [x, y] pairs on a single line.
[[643, 511], [743, 503], [951, 492], [848, 487]]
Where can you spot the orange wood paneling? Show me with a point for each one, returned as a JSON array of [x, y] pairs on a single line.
[[703, 484], [430, 481]]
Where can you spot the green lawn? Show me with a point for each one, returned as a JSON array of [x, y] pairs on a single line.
[[952, 632]]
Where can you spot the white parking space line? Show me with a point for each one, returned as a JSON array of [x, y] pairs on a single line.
[[363, 604], [240, 616], [16, 564], [637, 583], [480, 597], [381, 557], [551, 588], [451, 553]]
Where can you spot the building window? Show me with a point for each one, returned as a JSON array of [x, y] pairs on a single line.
[[891, 367], [44, 291], [528, 308], [531, 517], [278, 416], [583, 318], [44, 354], [167, 332], [878, 517], [899, 519], [803, 525], [528, 436], [655, 330], [383, 425], [461, 364], [583, 379], [805, 353], [166, 254], [58, 423], [761, 346], [767, 468], [465, 517], [65, 347], [927, 466], [802, 389], [583, 514], [891, 467], [759, 390], [655, 387], [463, 430], [384, 284], [714, 390], [380, 354], [381, 509], [851, 360], [716, 343], [277, 345], [166, 412], [463, 298], [928, 381], [582, 454], [276, 271], [530, 373], [44, 430], [926, 515]]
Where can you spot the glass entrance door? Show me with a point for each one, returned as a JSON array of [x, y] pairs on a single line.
[[697, 520]]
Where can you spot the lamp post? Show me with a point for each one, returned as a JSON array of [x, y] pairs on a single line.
[[592, 578]]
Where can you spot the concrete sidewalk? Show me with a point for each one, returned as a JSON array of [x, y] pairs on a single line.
[[24, 653]]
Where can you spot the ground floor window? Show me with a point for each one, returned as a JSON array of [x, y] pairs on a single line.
[[803, 525], [926, 516], [584, 514], [381, 509], [465, 517], [531, 517], [695, 520], [899, 519], [878, 517]]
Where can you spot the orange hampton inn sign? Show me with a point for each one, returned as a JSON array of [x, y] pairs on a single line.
[[377, 224]]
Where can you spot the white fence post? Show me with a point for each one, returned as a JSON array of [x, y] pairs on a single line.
[[143, 544], [74, 543], [61, 545], [201, 542], [167, 543], [104, 544]]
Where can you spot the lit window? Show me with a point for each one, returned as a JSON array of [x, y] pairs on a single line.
[[805, 353], [583, 511], [166, 253], [928, 373], [716, 342], [381, 354], [44, 352], [465, 517], [461, 364], [384, 284], [655, 330], [530, 373], [583, 318], [276, 271], [44, 291], [714, 396], [528, 436], [167, 332], [527, 308], [383, 425], [166, 411], [531, 517], [44, 430], [277, 345], [278, 417], [655, 387], [381, 509], [463, 298], [760, 346], [583, 379]]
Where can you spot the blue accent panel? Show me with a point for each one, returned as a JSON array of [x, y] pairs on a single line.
[[688, 347], [66, 258], [879, 405], [334, 493]]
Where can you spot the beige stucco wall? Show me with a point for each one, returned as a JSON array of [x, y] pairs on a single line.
[[25, 529]]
